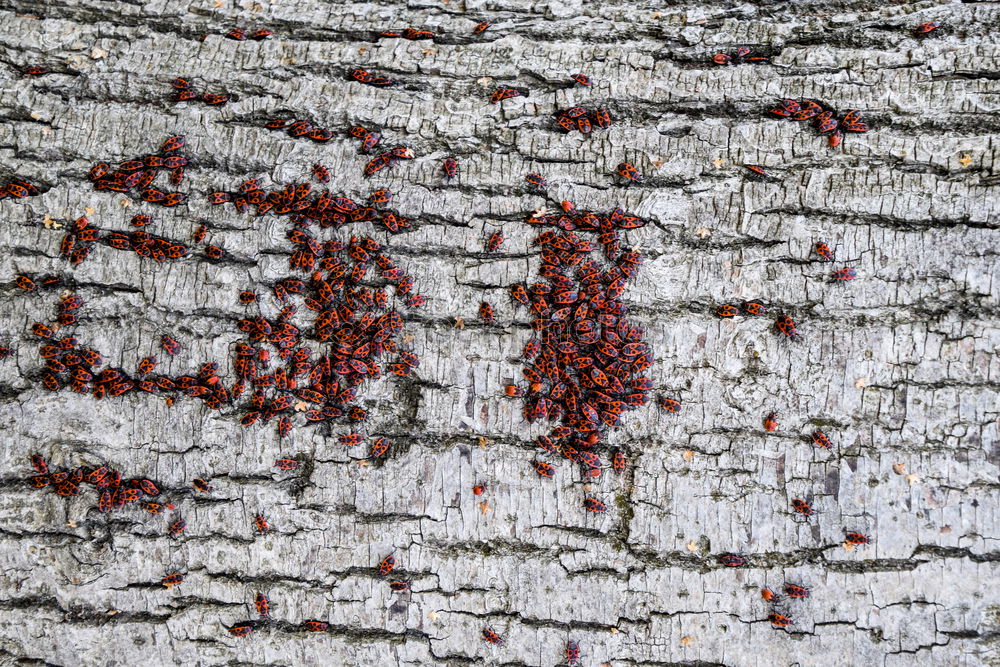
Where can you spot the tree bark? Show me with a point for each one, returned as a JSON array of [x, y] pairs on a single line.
[[899, 366]]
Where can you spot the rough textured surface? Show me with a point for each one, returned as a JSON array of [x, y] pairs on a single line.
[[900, 367]]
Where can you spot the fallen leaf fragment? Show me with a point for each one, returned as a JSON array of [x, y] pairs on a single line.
[[912, 479], [687, 640], [899, 468], [862, 382], [484, 508], [459, 323], [688, 455], [692, 546], [703, 232]]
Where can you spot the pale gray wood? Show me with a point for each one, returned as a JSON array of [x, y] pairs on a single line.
[[901, 366]]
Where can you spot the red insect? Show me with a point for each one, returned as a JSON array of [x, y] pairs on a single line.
[[793, 591], [478, 490], [399, 586], [247, 297], [823, 251], [385, 567], [721, 59], [536, 181], [379, 448], [177, 527], [321, 173], [572, 653], [286, 464], [844, 275], [172, 580], [486, 313], [927, 28], [241, 629], [201, 485], [25, 283], [214, 99], [786, 325], [802, 507], [756, 169], [35, 70], [856, 538], [543, 469], [820, 439], [501, 94], [39, 464], [669, 404], [771, 422], [581, 79], [494, 242], [835, 139], [732, 560], [261, 524], [173, 144], [779, 621], [238, 34], [769, 595], [629, 172], [491, 637], [594, 505], [481, 28], [170, 346], [450, 168], [618, 462], [726, 311], [213, 252], [315, 626], [380, 197], [263, 33], [262, 604]]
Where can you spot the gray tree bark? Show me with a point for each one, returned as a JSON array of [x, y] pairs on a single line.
[[900, 367]]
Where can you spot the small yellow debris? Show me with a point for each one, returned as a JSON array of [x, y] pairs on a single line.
[[49, 223], [111, 612], [614, 631], [428, 52], [459, 323], [36, 115], [71, 524], [688, 455], [89, 210], [848, 546], [97, 53], [362, 463], [484, 508], [692, 546], [433, 615], [687, 641], [965, 160], [483, 441], [301, 406], [899, 468], [718, 162], [125, 203], [485, 81], [703, 232], [540, 211], [408, 338], [657, 161], [862, 382], [912, 479]]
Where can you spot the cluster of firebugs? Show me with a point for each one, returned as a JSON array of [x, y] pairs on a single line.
[[585, 361]]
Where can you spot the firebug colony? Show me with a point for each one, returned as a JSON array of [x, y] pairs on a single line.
[[584, 366]]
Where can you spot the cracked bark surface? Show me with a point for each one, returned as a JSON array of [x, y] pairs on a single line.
[[900, 367]]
